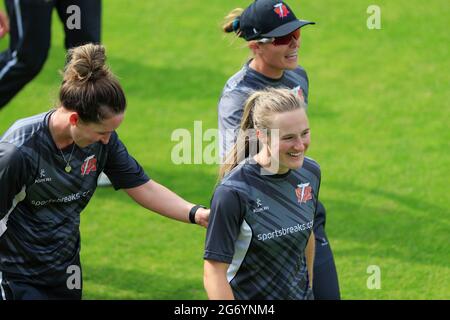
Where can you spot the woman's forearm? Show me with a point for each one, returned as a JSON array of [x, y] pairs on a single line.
[[215, 281]]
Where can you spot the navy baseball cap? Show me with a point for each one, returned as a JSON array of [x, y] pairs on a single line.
[[267, 19]]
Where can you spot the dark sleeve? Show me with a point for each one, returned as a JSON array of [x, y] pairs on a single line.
[[314, 167], [307, 83], [224, 224], [230, 110], [13, 176], [121, 168], [320, 213], [307, 88]]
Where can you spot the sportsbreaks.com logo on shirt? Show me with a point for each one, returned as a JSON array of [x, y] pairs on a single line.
[[65, 199], [285, 231]]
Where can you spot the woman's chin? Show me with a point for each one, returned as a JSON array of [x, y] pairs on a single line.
[[295, 163]]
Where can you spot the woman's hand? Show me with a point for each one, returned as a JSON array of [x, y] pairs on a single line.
[[202, 217]]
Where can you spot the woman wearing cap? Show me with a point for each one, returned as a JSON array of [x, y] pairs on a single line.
[[49, 164], [273, 35], [259, 242]]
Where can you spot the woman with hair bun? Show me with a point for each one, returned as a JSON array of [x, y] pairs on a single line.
[[49, 164], [273, 34]]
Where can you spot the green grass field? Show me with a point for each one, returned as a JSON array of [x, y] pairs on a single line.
[[379, 111]]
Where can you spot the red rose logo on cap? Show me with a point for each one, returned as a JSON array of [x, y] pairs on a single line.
[[281, 10]]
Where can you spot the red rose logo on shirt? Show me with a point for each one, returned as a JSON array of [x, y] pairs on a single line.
[[281, 10], [89, 164], [303, 192]]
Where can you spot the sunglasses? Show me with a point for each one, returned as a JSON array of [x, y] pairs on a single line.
[[281, 41]]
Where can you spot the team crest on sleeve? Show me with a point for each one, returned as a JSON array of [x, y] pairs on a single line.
[[281, 10], [303, 192], [89, 165]]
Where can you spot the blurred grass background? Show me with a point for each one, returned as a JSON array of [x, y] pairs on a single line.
[[379, 112]]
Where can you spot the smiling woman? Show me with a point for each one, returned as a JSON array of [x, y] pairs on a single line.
[[277, 119], [49, 165], [90, 97], [273, 34], [260, 243]]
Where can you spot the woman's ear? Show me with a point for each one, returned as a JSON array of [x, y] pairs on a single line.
[[254, 46], [73, 118], [261, 135]]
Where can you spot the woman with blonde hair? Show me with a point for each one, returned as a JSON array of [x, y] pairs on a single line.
[[272, 32], [49, 164], [260, 240]]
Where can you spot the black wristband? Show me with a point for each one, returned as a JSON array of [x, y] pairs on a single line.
[[194, 211]]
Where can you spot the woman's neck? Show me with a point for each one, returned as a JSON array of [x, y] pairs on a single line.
[[59, 127], [261, 67], [264, 159]]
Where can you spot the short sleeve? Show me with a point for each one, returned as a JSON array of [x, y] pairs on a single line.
[[13, 176], [121, 168], [224, 224]]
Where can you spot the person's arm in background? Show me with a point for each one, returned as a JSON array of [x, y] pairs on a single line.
[[310, 253], [158, 198], [4, 24], [215, 281]]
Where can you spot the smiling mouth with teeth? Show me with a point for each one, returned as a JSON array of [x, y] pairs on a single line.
[[295, 154]]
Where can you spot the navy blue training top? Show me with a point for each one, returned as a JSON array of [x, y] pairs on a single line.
[[40, 203], [260, 225]]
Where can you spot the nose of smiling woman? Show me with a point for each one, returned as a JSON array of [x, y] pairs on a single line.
[[300, 144]]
